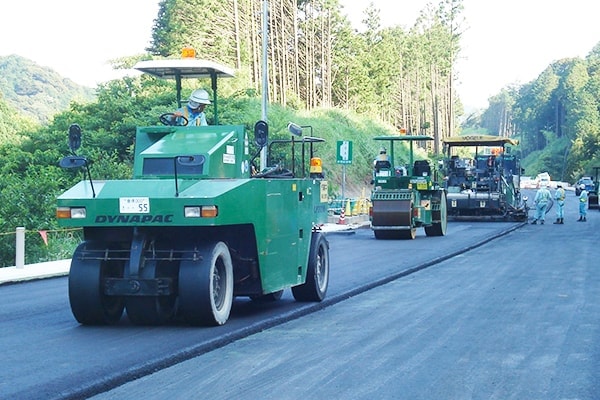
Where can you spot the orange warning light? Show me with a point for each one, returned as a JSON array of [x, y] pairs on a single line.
[[188, 52], [316, 165]]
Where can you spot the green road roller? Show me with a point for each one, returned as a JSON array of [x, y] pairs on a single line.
[[199, 223], [406, 195]]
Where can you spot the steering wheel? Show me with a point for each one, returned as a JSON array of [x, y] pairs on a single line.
[[170, 119]]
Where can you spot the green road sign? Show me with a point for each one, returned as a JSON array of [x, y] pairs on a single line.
[[344, 152]]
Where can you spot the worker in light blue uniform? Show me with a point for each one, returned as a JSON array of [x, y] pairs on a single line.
[[559, 196], [542, 197], [193, 110], [583, 201]]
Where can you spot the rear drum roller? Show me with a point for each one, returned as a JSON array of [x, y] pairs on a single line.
[[393, 214], [317, 273], [395, 234], [405, 214], [206, 285], [90, 306], [439, 227], [153, 310], [407, 234]]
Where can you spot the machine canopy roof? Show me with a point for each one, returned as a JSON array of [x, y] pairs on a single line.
[[479, 140], [184, 68], [404, 137]]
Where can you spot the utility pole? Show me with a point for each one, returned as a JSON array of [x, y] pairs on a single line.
[[265, 76]]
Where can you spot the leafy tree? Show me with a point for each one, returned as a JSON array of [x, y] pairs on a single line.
[[497, 118], [11, 123]]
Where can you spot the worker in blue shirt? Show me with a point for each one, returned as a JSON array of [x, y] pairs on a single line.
[[583, 200], [542, 197], [193, 111], [559, 196]]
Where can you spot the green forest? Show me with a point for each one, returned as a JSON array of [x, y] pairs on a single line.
[[346, 84]]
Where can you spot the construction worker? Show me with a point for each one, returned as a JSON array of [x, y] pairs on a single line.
[[542, 197], [382, 156], [194, 109], [559, 196], [583, 200]]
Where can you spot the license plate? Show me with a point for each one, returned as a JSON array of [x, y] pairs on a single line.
[[134, 205]]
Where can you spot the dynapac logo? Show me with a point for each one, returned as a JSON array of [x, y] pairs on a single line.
[[134, 219]]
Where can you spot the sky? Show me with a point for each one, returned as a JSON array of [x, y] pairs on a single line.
[[505, 42]]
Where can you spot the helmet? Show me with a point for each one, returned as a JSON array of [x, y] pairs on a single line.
[[198, 96], [582, 186], [382, 150]]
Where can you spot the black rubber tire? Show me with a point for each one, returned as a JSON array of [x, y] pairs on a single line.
[[153, 310], [317, 271], [206, 285], [89, 305]]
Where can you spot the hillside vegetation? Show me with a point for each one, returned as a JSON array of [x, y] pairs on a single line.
[[556, 117], [36, 92]]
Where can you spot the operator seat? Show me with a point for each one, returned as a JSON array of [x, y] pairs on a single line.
[[382, 164], [421, 168]]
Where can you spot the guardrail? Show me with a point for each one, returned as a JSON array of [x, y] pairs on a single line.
[[20, 247]]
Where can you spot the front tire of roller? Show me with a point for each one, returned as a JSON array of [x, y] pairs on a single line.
[[206, 285]]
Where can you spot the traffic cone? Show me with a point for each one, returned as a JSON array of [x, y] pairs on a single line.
[[342, 220]]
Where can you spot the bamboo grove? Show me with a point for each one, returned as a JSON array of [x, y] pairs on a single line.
[[316, 59]]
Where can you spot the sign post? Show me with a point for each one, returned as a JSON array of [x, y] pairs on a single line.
[[344, 157]]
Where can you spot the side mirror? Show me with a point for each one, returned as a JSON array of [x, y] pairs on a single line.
[[74, 137], [72, 162], [294, 129], [261, 133]]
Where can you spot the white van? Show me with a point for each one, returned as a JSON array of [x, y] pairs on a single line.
[[543, 179]]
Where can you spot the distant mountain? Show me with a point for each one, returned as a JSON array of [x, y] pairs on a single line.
[[37, 92]]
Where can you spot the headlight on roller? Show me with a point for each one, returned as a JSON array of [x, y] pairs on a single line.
[[71, 212], [200, 211]]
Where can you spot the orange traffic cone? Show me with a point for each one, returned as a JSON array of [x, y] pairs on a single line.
[[342, 220]]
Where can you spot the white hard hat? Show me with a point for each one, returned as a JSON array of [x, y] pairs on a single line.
[[198, 96], [582, 186]]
